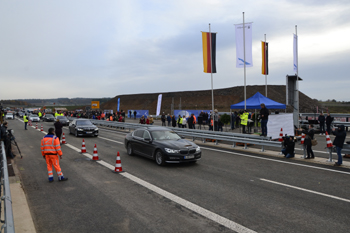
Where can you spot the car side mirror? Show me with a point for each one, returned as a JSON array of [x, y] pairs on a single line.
[[182, 137]]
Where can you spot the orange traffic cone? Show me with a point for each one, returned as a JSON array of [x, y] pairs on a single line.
[[63, 139], [280, 139], [36, 126], [118, 164], [302, 138], [42, 129], [329, 141], [29, 123], [95, 155], [83, 148]]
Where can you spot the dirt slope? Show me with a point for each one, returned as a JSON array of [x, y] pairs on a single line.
[[223, 99]]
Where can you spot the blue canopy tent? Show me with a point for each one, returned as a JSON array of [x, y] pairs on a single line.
[[255, 101]]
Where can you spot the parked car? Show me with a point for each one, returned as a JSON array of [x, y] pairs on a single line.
[[162, 145], [33, 118], [80, 127], [9, 115], [48, 118], [64, 120], [20, 114]]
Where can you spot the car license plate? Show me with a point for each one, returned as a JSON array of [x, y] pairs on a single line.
[[88, 132], [189, 157]]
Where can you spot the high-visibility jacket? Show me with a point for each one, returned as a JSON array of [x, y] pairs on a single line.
[[39, 114], [50, 145], [211, 122], [244, 118], [111, 118], [194, 119], [179, 121], [25, 119], [56, 114]]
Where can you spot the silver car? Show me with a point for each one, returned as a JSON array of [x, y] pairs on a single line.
[[34, 118]]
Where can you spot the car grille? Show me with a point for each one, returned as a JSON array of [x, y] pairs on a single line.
[[188, 151]]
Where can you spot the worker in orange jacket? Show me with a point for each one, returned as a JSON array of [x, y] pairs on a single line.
[[50, 150]]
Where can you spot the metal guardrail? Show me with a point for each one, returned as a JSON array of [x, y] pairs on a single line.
[[201, 134], [346, 124], [8, 225]]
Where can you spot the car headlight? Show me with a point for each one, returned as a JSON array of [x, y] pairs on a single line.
[[67, 121], [171, 151], [198, 149], [96, 129], [79, 129]]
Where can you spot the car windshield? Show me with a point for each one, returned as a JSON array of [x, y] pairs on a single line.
[[164, 135], [49, 115], [34, 115], [61, 117], [84, 123]]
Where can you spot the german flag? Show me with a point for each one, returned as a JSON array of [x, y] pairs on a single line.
[[265, 58], [209, 48]]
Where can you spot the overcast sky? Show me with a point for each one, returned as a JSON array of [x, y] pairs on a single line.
[[104, 48]]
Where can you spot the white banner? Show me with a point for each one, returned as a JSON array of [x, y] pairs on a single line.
[[240, 47], [159, 104], [295, 53], [278, 121]]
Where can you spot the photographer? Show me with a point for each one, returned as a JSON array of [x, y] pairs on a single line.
[[6, 136], [289, 145]]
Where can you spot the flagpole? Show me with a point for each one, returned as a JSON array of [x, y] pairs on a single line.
[[211, 72], [245, 90], [297, 84], [265, 68]]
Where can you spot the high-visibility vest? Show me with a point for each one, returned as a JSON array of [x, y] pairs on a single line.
[[181, 120], [211, 122], [194, 119], [50, 145], [56, 114], [39, 114], [244, 118], [25, 119]]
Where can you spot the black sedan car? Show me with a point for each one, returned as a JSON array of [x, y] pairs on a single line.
[[162, 145], [84, 127], [48, 117], [64, 120]]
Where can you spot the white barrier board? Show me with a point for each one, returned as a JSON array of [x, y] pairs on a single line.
[[278, 121]]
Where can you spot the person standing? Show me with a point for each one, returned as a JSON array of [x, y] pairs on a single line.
[[179, 121], [329, 120], [163, 119], [264, 115], [216, 119], [135, 114], [168, 118], [338, 142], [233, 120], [50, 150], [25, 119], [190, 121], [173, 121], [58, 129], [244, 120], [184, 122], [309, 136], [321, 120]]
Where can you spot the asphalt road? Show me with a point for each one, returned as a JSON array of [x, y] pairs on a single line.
[[226, 191]]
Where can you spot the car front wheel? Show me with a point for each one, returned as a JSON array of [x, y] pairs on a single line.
[[159, 158], [130, 151]]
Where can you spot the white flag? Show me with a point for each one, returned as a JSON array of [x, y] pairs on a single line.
[[295, 53], [159, 104], [240, 47]]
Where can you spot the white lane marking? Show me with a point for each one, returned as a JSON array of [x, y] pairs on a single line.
[[277, 161], [107, 139], [306, 190], [189, 205]]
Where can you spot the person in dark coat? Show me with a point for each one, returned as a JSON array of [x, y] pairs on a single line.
[[329, 120], [309, 136], [58, 129], [289, 146], [321, 120], [338, 142], [173, 121], [264, 115]]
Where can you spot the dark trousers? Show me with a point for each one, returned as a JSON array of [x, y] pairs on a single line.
[[58, 134], [215, 126], [322, 127], [310, 153], [329, 128], [25, 125], [243, 129]]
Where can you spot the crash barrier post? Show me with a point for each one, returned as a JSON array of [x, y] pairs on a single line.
[[8, 225]]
